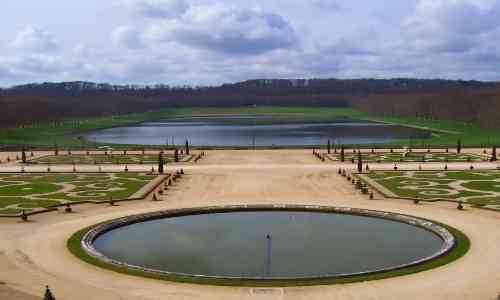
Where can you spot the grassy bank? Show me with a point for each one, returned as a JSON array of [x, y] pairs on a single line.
[[67, 133], [470, 134]]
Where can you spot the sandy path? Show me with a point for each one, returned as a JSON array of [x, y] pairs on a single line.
[[34, 254]]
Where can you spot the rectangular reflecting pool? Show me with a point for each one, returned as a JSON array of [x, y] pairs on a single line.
[[244, 131]]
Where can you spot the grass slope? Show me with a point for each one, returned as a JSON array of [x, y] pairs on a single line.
[[66, 133]]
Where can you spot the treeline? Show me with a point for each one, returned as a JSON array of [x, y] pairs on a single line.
[[457, 100], [468, 105], [22, 110], [258, 87]]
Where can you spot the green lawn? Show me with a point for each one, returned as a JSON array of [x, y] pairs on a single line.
[[67, 133], [99, 159], [471, 134], [481, 188], [26, 191]]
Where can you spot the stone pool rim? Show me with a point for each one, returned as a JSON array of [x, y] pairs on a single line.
[[92, 233]]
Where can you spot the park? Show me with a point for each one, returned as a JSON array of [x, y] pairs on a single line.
[[91, 215], [250, 150]]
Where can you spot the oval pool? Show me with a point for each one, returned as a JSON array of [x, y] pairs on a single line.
[[251, 243]]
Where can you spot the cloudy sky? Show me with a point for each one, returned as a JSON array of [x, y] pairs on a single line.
[[207, 42]]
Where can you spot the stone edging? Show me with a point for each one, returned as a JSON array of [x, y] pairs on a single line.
[[449, 241], [150, 187], [377, 186]]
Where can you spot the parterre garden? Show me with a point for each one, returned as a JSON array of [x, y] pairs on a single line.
[[388, 157], [479, 188], [98, 159], [24, 191]]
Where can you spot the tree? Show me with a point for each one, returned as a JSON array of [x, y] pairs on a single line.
[[176, 155], [342, 153], [459, 146], [187, 147], [161, 162], [23, 155], [329, 147], [360, 163], [494, 154]]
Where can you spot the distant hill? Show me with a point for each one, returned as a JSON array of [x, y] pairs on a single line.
[[51, 101], [260, 87]]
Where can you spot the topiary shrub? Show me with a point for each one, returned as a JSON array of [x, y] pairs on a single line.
[[176, 155], [48, 294], [24, 216], [187, 147], [161, 163]]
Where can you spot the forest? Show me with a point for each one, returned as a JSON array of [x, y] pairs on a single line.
[[467, 101]]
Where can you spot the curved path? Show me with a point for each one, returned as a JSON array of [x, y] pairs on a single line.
[[34, 254]]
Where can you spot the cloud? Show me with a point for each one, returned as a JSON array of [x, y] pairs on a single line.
[[332, 5], [227, 30], [39, 64], [157, 8], [127, 37], [216, 41], [452, 26], [4, 72], [32, 38], [355, 46]]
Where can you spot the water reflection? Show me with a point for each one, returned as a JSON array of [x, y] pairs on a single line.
[[247, 132], [236, 244]]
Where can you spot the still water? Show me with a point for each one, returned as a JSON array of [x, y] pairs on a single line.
[[268, 244], [247, 132]]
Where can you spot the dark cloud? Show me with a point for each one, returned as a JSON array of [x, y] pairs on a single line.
[[157, 8], [469, 19], [226, 30]]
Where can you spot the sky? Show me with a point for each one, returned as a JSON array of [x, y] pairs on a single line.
[[210, 42]]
